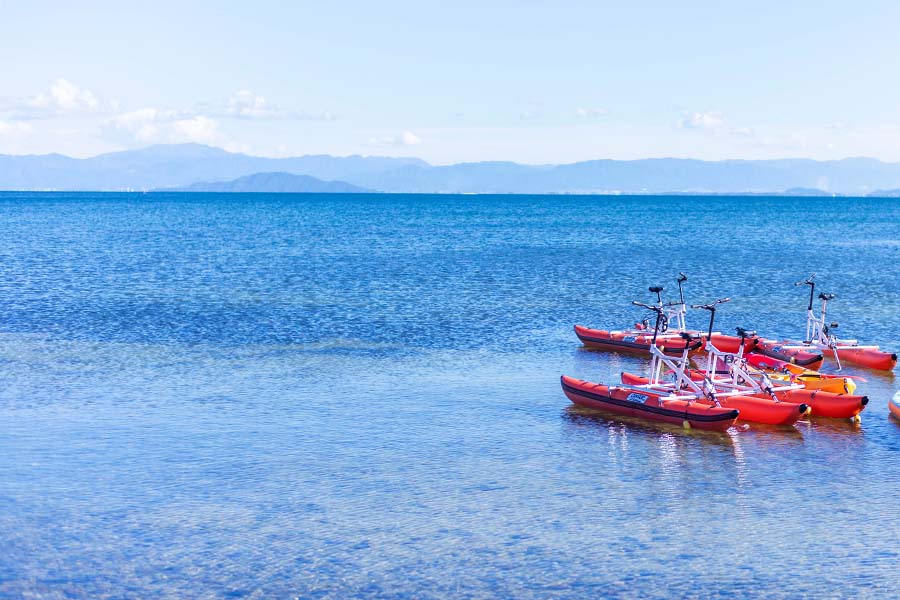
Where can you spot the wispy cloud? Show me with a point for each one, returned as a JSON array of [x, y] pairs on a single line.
[[713, 123], [407, 138], [13, 128], [533, 110], [589, 112], [244, 104]]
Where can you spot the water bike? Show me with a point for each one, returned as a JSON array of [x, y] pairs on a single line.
[[659, 404], [819, 335], [736, 388], [668, 338], [739, 372], [641, 338], [732, 376]]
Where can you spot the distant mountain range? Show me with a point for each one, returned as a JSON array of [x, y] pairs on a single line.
[[276, 183], [886, 193], [184, 165]]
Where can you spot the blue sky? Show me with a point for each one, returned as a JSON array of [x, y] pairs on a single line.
[[534, 82]]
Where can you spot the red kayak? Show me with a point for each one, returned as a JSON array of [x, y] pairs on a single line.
[[633, 342], [752, 408], [648, 405], [810, 358]]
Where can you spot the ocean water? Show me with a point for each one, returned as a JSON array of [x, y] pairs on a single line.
[[313, 396]]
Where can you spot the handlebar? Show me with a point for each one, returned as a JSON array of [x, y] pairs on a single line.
[[681, 277], [711, 305], [807, 281], [647, 306]]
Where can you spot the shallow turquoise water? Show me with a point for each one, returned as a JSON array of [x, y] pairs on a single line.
[[335, 396]]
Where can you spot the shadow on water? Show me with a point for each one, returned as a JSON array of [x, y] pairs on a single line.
[[579, 419], [677, 456], [881, 376], [585, 418], [763, 434], [834, 427]]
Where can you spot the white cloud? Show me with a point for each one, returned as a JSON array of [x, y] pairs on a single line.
[[597, 111], [200, 123], [151, 126], [197, 129], [410, 139], [407, 138], [707, 121], [247, 105], [63, 99], [714, 123]]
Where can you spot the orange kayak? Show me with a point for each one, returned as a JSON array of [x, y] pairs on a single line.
[[753, 409], [647, 405], [732, 343], [864, 356], [827, 404]]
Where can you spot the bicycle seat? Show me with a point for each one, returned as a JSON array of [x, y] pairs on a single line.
[[656, 289], [826, 297], [745, 333]]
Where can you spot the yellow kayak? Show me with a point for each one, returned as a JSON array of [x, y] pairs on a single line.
[[779, 370], [813, 380]]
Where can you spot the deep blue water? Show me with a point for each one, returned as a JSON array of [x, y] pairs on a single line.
[[358, 396]]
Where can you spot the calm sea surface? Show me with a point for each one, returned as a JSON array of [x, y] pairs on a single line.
[[358, 396]]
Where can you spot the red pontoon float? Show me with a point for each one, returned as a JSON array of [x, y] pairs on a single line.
[[894, 405], [626, 400], [632, 342], [805, 356]]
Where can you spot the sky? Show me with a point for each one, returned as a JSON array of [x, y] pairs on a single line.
[[531, 82]]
